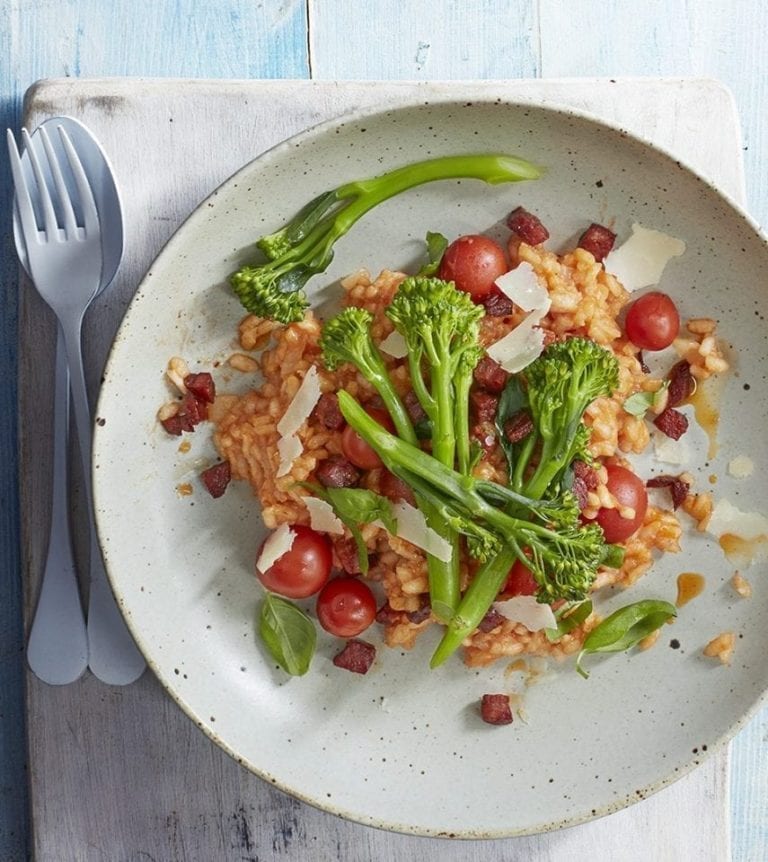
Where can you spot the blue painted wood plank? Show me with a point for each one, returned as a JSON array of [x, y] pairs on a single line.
[[439, 40]]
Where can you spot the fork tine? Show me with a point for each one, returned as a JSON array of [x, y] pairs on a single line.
[[65, 204], [49, 214], [90, 214], [23, 199]]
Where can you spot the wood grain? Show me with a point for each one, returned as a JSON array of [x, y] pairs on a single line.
[[148, 784]]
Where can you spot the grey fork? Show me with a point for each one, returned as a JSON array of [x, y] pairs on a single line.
[[65, 262]]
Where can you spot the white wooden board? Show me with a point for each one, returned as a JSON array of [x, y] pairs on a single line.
[[121, 773]]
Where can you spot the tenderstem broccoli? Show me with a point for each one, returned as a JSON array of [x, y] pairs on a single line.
[[304, 246], [560, 385]]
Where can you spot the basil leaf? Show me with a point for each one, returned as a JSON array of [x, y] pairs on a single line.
[[511, 401], [288, 634], [625, 628], [569, 619], [436, 246], [640, 402], [613, 556]]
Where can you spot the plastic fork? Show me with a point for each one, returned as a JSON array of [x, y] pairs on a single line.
[[62, 236]]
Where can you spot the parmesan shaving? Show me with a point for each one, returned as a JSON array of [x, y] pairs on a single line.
[[412, 526], [726, 518], [322, 517], [289, 449], [528, 612], [394, 345], [516, 350], [522, 286], [740, 467], [640, 261], [278, 543], [302, 404], [296, 414]]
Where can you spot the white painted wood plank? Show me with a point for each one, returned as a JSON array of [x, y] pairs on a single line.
[[146, 781]]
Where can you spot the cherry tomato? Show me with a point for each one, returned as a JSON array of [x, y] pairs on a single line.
[[473, 263], [356, 450], [629, 491], [652, 321], [520, 581], [302, 570], [346, 607]]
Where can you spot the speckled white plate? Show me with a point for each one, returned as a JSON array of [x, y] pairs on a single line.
[[404, 748]]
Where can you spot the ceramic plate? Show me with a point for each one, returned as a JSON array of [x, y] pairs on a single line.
[[404, 748]]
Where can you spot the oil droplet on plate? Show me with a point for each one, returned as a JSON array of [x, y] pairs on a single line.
[[742, 552], [706, 406], [689, 585], [184, 490]]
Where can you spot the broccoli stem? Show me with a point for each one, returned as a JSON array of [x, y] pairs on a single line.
[[480, 595]]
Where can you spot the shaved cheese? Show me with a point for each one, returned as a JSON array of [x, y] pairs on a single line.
[[670, 451], [289, 449], [322, 517], [394, 345], [640, 261], [522, 286], [302, 404], [726, 518], [528, 612], [741, 466], [278, 543], [518, 348], [412, 526]]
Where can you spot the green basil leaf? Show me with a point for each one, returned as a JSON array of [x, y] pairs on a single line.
[[568, 619], [361, 506], [640, 402], [613, 556], [436, 246], [288, 633], [625, 628]]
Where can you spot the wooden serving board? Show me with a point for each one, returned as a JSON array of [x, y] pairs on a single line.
[[122, 773]]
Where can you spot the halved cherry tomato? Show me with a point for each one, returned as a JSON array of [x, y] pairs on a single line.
[[302, 570], [520, 581], [473, 263], [346, 607], [629, 490], [652, 321], [356, 450]]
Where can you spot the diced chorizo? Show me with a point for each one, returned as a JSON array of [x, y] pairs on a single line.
[[527, 226], [422, 614], [395, 489], [496, 709], [201, 385], [357, 656], [492, 620], [681, 384], [672, 422], [587, 474], [518, 426], [337, 472], [498, 304], [580, 492], [490, 375], [484, 433], [484, 405], [413, 406], [217, 478], [678, 487], [386, 615], [328, 413], [346, 553], [597, 240]]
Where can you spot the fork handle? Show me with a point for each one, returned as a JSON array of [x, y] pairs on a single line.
[[57, 649], [113, 655]]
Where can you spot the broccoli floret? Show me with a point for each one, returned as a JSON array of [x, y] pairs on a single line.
[[567, 377], [347, 338], [304, 246]]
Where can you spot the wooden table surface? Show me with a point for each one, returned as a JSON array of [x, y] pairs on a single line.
[[328, 40]]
